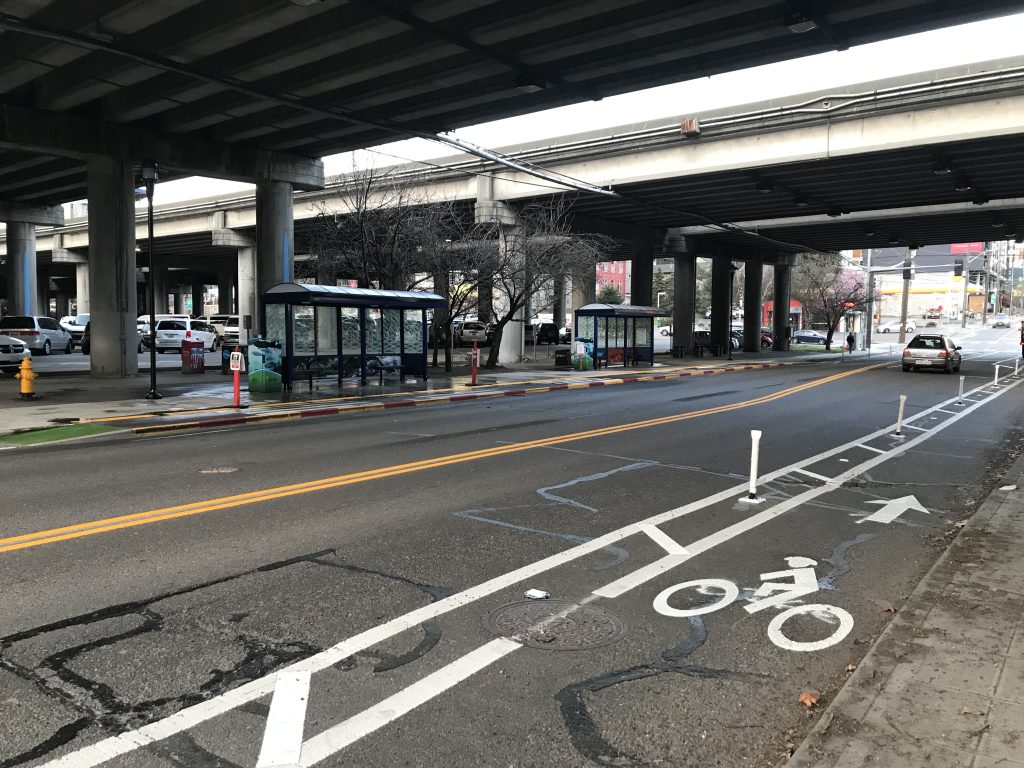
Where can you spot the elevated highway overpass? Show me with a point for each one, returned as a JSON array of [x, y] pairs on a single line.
[[923, 159]]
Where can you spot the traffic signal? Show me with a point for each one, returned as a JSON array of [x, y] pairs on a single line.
[[958, 268]]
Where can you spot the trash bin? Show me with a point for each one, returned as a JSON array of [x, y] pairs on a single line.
[[193, 357], [225, 359], [563, 358]]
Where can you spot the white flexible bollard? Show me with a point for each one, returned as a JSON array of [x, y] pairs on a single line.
[[1016, 367], [960, 394], [995, 379], [755, 442], [899, 416]]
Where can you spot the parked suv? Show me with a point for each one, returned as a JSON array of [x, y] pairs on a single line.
[[547, 333], [171, 333], [76, 327], [40, 334], [11, 352], [470, 331]]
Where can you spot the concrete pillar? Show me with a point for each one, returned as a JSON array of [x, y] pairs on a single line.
[[752, 275], [642, 275], [484, 301], [112, 267], [684, 303], [721, 311], [247, 286], [162, 288], [82, 287], [43, 281], [584, 287], [62, 304], [225, 286], [513, 335], [22, 274], [558, 306], [179, 301], [780, 320], [275, 235], [198, 289]]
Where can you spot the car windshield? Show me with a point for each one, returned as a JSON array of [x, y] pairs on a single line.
[[81, 319], [926, 342], [17, 321], [170, 325]]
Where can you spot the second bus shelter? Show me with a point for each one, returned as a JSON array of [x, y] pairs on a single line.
[[622, 334]]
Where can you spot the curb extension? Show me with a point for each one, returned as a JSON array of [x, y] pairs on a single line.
[[341, 410]]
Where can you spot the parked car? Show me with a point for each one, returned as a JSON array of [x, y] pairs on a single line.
[[808, 337], [171, 333], [931, 351], [565, 334], [894, 327], [39, 333], [86, 342], [665, 330], [529, 333], [76, 327], [470, 331], [547, 333], [219, 322], [12, 351], [231, 325], [1002, 320]]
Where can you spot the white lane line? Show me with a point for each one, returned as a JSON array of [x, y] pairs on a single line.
[[870, 448], [911, 426], [663, 540], [282, 739], [336, 738], [815, 475], [185, 719], [943, 410]]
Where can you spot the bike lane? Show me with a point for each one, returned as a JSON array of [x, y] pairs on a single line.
[[472, 676]]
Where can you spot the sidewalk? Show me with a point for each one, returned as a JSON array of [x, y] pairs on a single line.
[[191, 399], [944, 684]]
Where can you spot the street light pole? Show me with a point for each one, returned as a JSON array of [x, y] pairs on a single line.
[[149, 177]]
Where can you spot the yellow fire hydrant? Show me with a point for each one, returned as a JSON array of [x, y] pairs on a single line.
[[26, 376]]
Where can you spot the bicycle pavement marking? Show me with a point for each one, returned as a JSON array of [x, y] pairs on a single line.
[[338, 737]]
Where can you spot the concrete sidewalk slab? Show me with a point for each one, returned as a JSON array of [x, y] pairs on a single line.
[[944, 684]]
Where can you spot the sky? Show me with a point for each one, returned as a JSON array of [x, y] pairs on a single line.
[[980, 41]]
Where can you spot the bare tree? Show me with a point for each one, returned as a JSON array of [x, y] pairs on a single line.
[[829, 289], [368, 233], [539, 247]]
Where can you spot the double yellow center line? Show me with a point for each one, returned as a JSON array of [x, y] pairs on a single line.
[[94, 527]]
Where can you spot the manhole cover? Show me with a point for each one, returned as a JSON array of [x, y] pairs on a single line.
[[557, 625]]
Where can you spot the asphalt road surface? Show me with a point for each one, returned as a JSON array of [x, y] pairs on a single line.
[[350, 591]]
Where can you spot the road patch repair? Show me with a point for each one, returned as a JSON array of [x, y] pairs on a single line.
[[291, 683]]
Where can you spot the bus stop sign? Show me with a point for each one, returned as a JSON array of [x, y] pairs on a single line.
[[236, 361]]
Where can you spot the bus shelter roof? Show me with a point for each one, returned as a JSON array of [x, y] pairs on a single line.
[[621, 310], [343, 296]]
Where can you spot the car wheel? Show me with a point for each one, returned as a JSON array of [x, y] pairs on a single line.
[[885, 330], [46, 347], [906, 368], [69, 348], [947, 368]]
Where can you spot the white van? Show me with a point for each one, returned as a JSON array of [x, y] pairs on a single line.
[[171, 332]]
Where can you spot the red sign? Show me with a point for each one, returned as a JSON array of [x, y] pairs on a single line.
[[967, 248]]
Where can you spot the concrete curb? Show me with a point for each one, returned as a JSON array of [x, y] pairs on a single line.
[[342, 410], [879, 662]]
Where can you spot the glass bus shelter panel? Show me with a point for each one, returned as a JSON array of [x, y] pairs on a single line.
[[275, 327], [303, 332], [327, 330], [412, 320], [373, 335], [586, 329], [350, 344], [391, 332]]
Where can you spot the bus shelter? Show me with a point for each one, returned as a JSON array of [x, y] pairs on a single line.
[[329, 330], [622, 334]]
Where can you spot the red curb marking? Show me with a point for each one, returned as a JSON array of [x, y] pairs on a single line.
[[455, 399], [514, 392], [399, 404], [319, 412]]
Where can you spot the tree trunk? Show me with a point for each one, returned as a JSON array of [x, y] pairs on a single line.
[[492, 353]]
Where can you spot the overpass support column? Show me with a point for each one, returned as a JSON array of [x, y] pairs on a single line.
[[752, 277], [721, 311], [641, 286], [198, 289], [584, 287], [112, 300], [484, 301], [558, 305], [246, 288], [179, 301], [275, 238], [780, 319], [684, 294], [161, 288], [225, 284], [513, 334], [22, 274], [82, 288]]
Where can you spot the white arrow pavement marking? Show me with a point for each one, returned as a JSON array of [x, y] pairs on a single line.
[[282, 739], [893, 508]]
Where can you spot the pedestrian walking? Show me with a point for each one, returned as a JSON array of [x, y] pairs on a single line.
[[1022, 338], [851, 341]]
